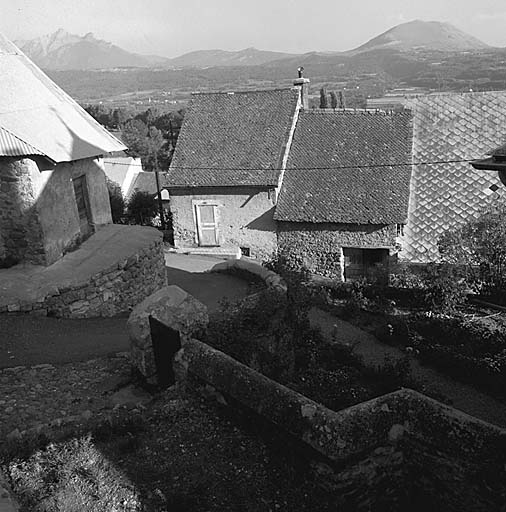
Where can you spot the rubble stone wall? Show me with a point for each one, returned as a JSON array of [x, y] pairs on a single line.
[[113, 290], [400, 451], [320, 246]]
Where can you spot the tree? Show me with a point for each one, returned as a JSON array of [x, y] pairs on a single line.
[[116, 199], [333, 100], [323, 98], [135, 133], [479, 246]]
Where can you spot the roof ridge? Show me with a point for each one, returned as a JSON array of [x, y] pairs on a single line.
[[231, 93], [361, 111]]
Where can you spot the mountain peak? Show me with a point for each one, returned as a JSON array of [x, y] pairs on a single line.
[[62, 50], [430, 35]]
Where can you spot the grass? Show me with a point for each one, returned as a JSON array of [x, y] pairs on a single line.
[[72, 476], [181, 454]]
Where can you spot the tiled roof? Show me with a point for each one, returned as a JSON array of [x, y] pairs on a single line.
[[344, 167], [451, 127], [38, 113], [233, 139]]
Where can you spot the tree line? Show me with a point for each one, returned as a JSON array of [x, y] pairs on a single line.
[[150, 135]]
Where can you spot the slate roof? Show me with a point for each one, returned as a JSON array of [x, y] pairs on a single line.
[[233, 139], [348, 167], [451, 127], [145, 182], [36, 116]]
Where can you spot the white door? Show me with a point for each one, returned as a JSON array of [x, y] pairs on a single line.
[[207, 225]]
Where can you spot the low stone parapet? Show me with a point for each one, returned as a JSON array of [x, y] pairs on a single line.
[[270, 278], [113, 283], [375, 455]]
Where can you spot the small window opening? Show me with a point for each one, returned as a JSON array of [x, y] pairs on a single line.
[[245, 251], [400, 229]]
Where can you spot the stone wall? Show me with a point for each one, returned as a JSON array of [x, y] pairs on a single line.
[[20, 230], [401, 451], [113, 290], [39, 220], [57, 208], [319, 246], [245, 218]]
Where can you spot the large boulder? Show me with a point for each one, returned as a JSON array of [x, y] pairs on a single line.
[[174, 308]]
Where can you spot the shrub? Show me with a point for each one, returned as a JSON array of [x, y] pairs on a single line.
[[357, 300], [444, 288], [334, 388], [480, 248], [116, 200], [142, 208]]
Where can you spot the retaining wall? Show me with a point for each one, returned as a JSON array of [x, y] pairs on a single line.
[[401, 451], [114, 289]]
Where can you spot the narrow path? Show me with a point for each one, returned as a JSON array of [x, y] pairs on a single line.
[[464, 397]]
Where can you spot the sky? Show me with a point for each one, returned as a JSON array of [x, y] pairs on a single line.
[[172, 27]]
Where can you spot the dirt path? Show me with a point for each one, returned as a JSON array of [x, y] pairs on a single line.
[[30, 340], [464, 398]]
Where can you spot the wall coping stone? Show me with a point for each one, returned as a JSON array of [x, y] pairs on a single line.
[[270, 278]]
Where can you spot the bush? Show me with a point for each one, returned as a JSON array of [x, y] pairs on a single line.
[[444, 288], [116, 200], [480, 248], [142, 208], [334, 388]]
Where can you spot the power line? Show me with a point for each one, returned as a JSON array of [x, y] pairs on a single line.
[[312, 168]]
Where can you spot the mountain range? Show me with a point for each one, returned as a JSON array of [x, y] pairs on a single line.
[[63, 51]]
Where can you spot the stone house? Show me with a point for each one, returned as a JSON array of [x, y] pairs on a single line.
[[344, 197], [227, 167], [346, 191], [52, 184]]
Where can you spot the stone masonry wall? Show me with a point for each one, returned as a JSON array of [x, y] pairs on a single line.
[[245, 218], [114, 290], [400, 451], [319, 246], [39, 220], [20, 229]]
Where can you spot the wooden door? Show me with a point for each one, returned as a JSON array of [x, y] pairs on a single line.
[[363, 263], [83, 205], [207, 225]]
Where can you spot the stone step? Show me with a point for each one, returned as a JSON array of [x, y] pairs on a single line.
[[228, 253]]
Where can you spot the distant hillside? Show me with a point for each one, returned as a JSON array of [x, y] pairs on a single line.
[[62, 50], [427, 35], [212, 58]]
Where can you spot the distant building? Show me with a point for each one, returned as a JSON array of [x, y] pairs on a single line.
[[52, 184]]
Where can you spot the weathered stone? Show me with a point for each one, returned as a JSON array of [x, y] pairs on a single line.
[[171, 306]]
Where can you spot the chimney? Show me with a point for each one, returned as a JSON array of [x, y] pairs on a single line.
[[303, 84]]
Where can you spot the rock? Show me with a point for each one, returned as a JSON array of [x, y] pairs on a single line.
[[174, 308]]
